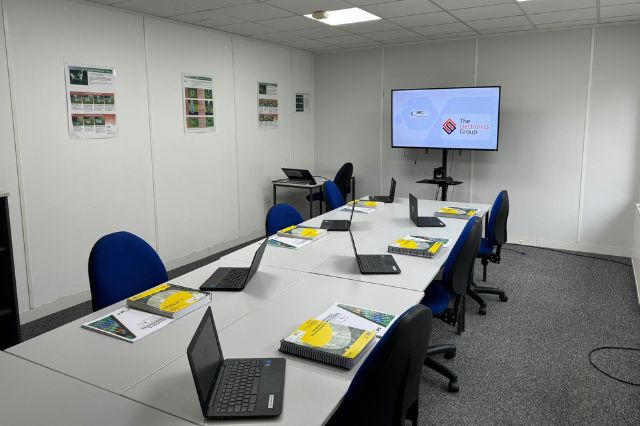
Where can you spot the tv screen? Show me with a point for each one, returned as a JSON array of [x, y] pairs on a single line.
[[453, 118]]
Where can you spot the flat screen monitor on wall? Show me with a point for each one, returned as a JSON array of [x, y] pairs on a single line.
[[452, 118]]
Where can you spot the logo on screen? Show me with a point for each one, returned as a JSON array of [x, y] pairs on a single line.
[[449, 126], [420, 114]]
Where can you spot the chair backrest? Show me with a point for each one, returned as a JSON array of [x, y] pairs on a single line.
[[387, 383], [333, 196], [343, 179], [497, 229], [458, 267], [281, 216], [120, 265]]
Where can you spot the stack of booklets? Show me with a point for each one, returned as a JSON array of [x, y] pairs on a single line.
[[415, 245], [149, 311], [287, 242], [456, 212], [362, 206], [339, 336], [302, 232]]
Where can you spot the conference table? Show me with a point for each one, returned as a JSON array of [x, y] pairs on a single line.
[[290, 287]]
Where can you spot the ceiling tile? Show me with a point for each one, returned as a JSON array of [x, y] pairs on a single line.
[[214, 4], [292, 23], [456, 27], [487, 12], [424, 20], [463, 4], [406, 40], [541, 6], [158, 7], [254, 12], [486, 24], [304, 7], [563, 16], [367, 2], [621, 18], [360, 45], [614, 2], [621, 10], [307, 44], [344, 40], [371, 26], [452, 35], [105, 1], [567, 24], [508, 30], [401, 8], [207, 18], [391, 35], [283, 37], [325, 31], [246, 28]]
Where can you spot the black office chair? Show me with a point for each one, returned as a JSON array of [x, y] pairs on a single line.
[[385, 389], [457, 274], [490, 248], [342, 181]]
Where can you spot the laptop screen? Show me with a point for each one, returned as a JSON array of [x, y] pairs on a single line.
[[205, 357], [413, 208], [392, 191], [256, 260], [353, 243]]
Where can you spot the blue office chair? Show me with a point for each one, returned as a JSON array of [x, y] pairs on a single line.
[[384, 391], [333, 195], [490, 248], [121, 265], [457, 274], [281, 216], [342, 181]]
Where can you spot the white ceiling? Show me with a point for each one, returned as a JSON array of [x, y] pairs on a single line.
[[281, 21]]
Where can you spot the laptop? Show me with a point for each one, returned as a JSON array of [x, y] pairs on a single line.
[[424, 221], [386, 198], [338, 224], [233, 388], [299, 176], [375, 263], [234, 279]]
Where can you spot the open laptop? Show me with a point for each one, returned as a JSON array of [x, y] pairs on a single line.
[[424, 221], [338, 224], [234, 279], [233, 388], [375, 263], [386, 198], [299, 176]]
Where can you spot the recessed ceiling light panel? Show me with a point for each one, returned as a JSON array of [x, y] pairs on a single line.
[[342, 16]]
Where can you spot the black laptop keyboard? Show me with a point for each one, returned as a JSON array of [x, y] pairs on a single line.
[[372, 263], [234, 278], [240, 390]]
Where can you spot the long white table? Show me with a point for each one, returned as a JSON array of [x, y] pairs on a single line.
[[291, 286], [312, 390], [32, 395]]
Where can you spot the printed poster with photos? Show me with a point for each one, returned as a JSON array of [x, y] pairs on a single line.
[[91, 102], [267, 105], [197, 93]]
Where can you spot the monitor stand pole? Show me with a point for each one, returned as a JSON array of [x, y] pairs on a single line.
[[443, 184]]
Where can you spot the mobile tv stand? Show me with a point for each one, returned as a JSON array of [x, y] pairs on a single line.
[[440, 177]]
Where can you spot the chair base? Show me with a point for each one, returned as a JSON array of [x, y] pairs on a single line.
[[475, 296], [491, 290], [449, 352]]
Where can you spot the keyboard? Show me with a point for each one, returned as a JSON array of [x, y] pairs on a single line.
[[234, 279], [240, 389], [372, 263]]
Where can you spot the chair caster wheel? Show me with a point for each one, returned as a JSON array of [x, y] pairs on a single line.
[[449, 355], [504, 298], [453, 387], [482, 311]]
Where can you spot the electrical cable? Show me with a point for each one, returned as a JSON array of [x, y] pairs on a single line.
[[619, 348], [569, 253]]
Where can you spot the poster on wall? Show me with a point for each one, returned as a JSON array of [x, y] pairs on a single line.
[[267, 105], [197, 103], [302, 102], [91, 102]]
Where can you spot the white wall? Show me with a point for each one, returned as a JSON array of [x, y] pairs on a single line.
[[543, 158], [178, 191]]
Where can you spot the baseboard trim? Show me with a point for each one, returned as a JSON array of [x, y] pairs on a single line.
[[636, 274], [571, 245], [53, 307]]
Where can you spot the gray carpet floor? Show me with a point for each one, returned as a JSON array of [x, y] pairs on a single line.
[[525, 362]]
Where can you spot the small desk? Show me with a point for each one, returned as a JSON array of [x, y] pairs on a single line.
[[33, 395], [285, 183]]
